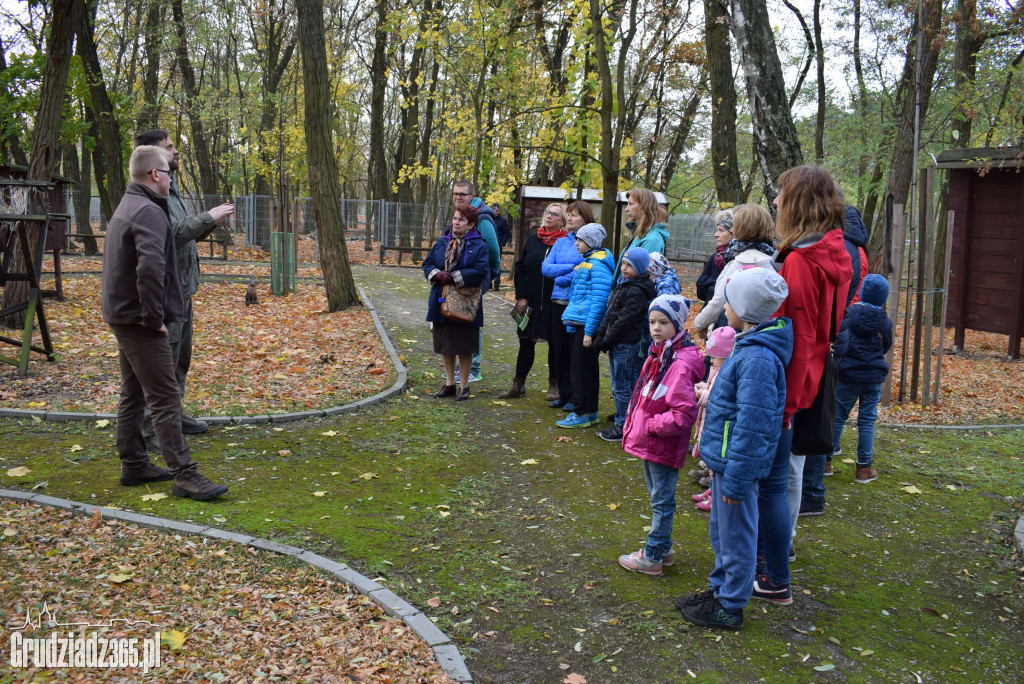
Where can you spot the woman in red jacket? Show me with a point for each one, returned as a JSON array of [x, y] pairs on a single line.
[[813, 259]]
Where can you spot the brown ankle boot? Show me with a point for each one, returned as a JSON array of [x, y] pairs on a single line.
[[517, 390], [552, 394]]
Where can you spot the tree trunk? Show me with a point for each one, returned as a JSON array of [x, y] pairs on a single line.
[[45, 152], [428, 131], [323, 167], [903, 166], [200, 143], [110, 173], [724, 159], [80, 174], [819, 58], [862, 110], [273, 60], [155, 28], [682, 133], [379, 187], [411, 108], [776, 144]]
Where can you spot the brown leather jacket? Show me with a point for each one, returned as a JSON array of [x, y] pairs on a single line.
[[140, 276]]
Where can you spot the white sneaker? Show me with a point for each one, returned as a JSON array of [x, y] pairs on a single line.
[[474, 377]]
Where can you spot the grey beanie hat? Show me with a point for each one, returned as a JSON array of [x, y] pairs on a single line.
[[755, 294], [593, 234]]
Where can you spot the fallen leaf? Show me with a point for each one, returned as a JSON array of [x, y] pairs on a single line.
[[284, 452], [575, 678], [434, 602], [911, 489], [75, 447], [119, 577], [329, 433], [529, 461], [369, 476], [578, 647], [378, 371], [319, 493], [154, 497], [825, 667], [563, 438], [102, 423], [20, 471], [174, 639], [867, 652], [613, 506], [10, 532]]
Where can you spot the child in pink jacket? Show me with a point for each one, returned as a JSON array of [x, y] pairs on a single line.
[[659, 421]]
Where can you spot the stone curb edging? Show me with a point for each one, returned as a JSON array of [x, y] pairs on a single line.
[[401, 382], [1018, 536], [447, 653]]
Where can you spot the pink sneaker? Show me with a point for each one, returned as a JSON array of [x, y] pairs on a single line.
[[706, 494], [704, 505], [637, 562]]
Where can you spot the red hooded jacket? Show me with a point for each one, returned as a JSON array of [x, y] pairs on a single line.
[[818, 272]]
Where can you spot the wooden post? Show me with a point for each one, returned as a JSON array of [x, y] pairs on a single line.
[[895, 275], [907, 315], [928, 199], [945, 300], [922, 259]]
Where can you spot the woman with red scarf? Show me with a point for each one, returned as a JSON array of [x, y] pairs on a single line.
[[533, 297]]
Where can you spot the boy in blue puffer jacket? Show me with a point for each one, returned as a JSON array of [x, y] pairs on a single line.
[[863, 340], [741, 435], [587, 300]]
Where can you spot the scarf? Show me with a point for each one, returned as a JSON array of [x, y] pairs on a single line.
[[453, 251], [720, 257], [659, 359], [739, 246], [548, 237]]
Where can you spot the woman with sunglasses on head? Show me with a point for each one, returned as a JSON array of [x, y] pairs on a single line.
[[533, 299]]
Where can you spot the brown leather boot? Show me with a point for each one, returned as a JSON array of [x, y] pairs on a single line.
[[144, 474], [552, 394], [517, 390], [192, 485]]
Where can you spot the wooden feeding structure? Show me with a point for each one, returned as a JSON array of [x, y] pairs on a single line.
[[534, 199], [56, 208], [986, 280]]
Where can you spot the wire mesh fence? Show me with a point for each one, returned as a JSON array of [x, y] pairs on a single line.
[[691, 237]]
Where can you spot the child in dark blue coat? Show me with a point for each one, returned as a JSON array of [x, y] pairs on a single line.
[[863, 340], [739, 441]]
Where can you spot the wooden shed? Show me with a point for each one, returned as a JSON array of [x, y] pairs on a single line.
[[986, 281]]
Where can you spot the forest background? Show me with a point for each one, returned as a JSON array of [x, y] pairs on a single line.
[[610, 94]]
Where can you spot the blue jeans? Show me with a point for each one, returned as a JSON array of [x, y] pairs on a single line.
[[774, 527], [661, 485], [733, 531], [869, 394], [626, 367], [813, 493], [474, 369]]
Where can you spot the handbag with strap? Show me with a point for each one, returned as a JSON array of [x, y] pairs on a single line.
[[460, 304], [814, 426]]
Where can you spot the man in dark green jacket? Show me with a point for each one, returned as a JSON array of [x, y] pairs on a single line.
[[186, 229]]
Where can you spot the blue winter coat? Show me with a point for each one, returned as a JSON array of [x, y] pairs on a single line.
[[473, 271], [654, 241], [864, 337], [744, 414], [590, 288], [559, 264]]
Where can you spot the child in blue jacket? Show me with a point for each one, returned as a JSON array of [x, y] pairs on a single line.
[[863, 340], [739, 441], [587, 300]]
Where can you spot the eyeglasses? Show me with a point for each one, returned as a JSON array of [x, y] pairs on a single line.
[[167, 171], [554, 214], [461, 194]]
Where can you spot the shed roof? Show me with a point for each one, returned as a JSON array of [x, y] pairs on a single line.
[[539, 192], [981, 158]]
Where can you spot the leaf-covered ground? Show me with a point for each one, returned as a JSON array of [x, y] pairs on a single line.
[[226, 612], [284, 354]]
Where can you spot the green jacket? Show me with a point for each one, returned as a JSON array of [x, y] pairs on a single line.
[[186, 230]]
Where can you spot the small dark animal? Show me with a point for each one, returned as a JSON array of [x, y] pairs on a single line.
[[250, 292]]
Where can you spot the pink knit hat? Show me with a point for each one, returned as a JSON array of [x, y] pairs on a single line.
[[719, 344]]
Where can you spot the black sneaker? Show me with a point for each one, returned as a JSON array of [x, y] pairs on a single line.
[[695, 599], [792, 554], [766, 590], [712, 614], [612, 434], [807, 508], [193, 426]]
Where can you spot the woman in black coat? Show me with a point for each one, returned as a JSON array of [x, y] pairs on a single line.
[[533, 295]]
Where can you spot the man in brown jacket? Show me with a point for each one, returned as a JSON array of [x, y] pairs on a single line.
[[141, 295]]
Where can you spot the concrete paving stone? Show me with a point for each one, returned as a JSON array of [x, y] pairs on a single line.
[[19, 413], [339, 410], [426, 629], [1018, 534], [276, 547], [215, 533], [16, 494], [57, 416], [184, 527], [53, 501], [392, 605], [318, 561], [105, 416], [292, 417], [146, 521], [360, 583], [450, 660], [250, 420], [218, 420]]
